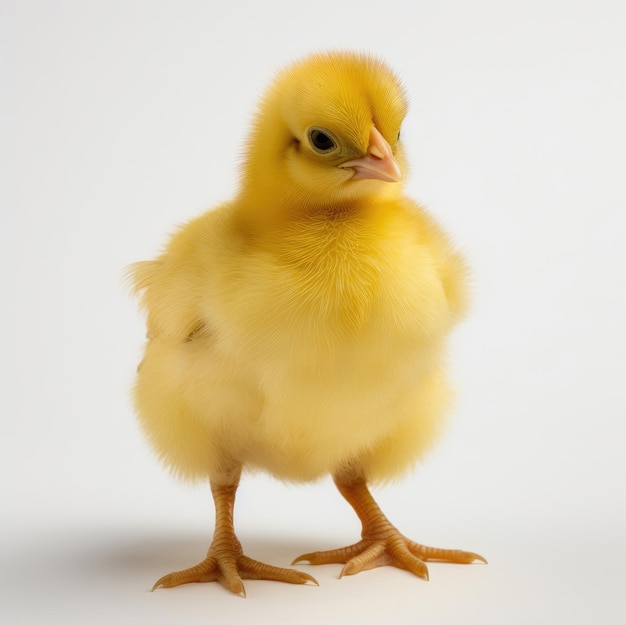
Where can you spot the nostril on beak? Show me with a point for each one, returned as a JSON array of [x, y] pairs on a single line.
[[376, 152]]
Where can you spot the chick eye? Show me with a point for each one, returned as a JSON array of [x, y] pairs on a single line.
[[398, 137], [321, 140]]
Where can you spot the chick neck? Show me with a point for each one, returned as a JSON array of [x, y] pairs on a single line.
[[269, 199], [272, 210]]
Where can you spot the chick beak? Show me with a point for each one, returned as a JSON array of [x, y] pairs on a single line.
[[379, 164]]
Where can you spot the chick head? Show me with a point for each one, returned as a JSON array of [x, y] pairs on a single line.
[[328, 131]]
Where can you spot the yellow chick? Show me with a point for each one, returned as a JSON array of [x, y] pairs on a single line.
[[300, 328]]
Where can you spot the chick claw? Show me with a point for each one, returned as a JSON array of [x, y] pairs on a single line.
[[229, 570], [393, 549]]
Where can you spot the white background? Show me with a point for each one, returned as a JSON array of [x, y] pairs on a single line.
[[123, 118]]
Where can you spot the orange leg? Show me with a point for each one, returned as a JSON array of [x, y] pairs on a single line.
[[381, 544], [225, 561]]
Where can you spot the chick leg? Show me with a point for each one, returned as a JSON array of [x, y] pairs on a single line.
[[381, 544], [225, 561]]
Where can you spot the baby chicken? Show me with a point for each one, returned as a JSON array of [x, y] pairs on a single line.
[[300, 328]]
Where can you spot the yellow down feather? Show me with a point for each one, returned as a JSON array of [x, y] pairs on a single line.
[[301, 327]]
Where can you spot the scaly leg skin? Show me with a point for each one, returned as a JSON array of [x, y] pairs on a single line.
[[225, 561], [382, 544]]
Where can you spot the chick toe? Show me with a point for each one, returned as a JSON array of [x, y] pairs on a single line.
[[230, 569], [394, 549], [381, 544]]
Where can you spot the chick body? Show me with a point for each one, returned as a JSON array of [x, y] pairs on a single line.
[[314, 347], [300, 328]]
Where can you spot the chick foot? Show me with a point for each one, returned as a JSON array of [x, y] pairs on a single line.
[[225, 561], [393, 549], [229, 566], [382, 544]]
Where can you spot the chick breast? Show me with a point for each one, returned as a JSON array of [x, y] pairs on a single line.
[[323, 346]]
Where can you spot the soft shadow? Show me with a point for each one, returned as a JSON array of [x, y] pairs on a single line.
[[177, 550], [115, 553]]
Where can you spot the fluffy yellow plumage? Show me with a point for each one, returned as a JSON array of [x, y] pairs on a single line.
[[300, 328]]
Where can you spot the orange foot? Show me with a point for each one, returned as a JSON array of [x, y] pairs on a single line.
[[382, 544], [229, 566], [392, 549], [225, 561]]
